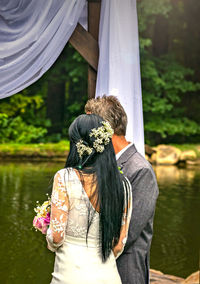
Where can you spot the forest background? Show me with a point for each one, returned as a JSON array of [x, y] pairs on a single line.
[[169, 48]]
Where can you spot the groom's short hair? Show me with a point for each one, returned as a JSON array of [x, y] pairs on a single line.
[[110, 109]]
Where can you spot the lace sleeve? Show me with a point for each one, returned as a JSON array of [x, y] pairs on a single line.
[[119, 247], [59, 211]]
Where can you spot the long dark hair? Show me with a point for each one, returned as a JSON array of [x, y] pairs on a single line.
[[109, 190]]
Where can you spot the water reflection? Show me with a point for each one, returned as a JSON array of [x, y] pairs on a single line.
[[24, 257], [172, 174], [175, 247], [23, 254]]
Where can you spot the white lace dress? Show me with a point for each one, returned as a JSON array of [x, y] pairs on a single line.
[[77, 262]]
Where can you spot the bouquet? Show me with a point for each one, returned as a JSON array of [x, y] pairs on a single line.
[[42, 220]]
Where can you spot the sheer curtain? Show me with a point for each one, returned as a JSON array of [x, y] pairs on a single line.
[[34, 32], [32, 36], [119, 63]]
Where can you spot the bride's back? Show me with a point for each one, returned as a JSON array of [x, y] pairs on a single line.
[[89, 208], [78, 260], [81, 210]]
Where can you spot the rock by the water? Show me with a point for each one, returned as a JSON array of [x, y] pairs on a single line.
[[157, 277], [166, 155], [188, 155], [193, 163], [153, 158], [194, 278], [149, 150], [148, 158]]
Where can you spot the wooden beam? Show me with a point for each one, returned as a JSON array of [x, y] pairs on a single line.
[[86, 45], [94, 8]]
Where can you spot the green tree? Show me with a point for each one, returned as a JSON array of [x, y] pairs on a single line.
[[165, 81]]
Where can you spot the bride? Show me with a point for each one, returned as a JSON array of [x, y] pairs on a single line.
[[91, 206]]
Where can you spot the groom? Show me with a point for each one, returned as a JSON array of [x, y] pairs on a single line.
[[133, 263]]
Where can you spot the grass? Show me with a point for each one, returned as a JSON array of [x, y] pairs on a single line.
[[35, 150], [60, 149]]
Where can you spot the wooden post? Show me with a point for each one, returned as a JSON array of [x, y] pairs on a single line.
[[94, 7], [86, 43]]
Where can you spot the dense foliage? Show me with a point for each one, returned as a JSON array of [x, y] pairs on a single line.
[[167, 82], [20, 120], [43, 112], [170, 83]]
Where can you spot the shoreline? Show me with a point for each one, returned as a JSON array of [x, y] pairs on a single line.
[[183, 155], [55, 152]]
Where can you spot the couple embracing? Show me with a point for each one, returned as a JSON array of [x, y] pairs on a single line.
[[102, 203]]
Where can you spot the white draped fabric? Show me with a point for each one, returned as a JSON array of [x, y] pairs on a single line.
[[119, 63], [33, 34]]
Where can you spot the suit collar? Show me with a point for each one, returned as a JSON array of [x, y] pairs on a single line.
[[126, 155]]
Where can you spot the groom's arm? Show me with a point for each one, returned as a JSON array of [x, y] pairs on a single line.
[[145, 193]]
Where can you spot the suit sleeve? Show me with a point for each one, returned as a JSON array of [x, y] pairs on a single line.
[[145, 193]]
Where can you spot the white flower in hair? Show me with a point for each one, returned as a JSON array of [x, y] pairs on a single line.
[[83, 149], [108, 128], [99, 141], [99, 148], [103, 135]]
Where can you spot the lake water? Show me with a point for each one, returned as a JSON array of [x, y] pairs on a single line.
[[24, 257]]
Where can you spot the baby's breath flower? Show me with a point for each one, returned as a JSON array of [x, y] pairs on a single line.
[[100, 148], [82, 148], [103, 135]]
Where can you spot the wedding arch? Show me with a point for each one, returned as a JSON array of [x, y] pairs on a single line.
[[33, 34]]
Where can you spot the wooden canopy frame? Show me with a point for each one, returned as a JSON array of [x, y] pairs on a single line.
[[86, 43]]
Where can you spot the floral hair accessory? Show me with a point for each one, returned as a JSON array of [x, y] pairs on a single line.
[[102, 135], [83, 149]]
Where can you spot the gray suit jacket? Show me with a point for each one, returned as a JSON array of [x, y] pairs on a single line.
[[133, 263]]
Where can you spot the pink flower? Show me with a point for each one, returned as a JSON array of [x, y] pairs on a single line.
[[36, 223], [41, 223], [48, 218]]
